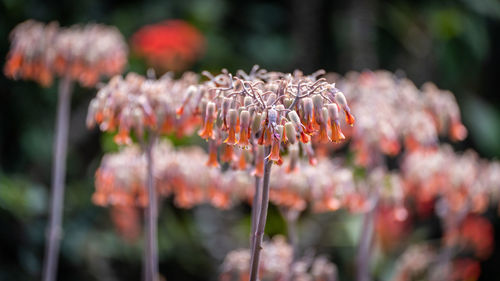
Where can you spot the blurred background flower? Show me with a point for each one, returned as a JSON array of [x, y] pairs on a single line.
[[172, 45]]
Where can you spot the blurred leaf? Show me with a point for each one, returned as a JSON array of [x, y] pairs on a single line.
[[482, 120], [21, 197]]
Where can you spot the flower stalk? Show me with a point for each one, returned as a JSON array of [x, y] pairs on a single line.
[[54, 231], [261, 224], [257, 197], [151, 216], [366, 242]]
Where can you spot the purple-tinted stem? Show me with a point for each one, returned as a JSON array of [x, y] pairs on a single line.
[[365, 244], [151, 217], [261, 225], [54, 231], [257, 197]]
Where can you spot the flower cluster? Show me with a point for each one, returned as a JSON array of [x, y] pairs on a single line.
[[244, 114], [84, 53], [121, 177], [31, 54], [467, 182], [87, 52], [270, 109], [459, 195], [277, 264], [422, 261], [393, 111], [328, 186], [171, 45], [136, 104]]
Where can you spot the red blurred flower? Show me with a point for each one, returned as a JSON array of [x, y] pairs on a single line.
[[391, 225], [477, 232], [169, 45], [466, 270], [126, 221]]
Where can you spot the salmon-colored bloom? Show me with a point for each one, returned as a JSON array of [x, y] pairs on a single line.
[[323, 129], [242, 161], [126, 220], [259, 161], [122, 138], [232, 116], [275, 147], [245, 130], [208, 126], [212, 155], [458, 132], [227, 153]]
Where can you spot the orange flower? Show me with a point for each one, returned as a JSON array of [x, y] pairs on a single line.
[[242, 162], [308, 115], [212, 155], [207, 131], [323, 131], [458, 132], [122, 138], [294, 117], [127, 222], [275, 148], [349, 118], [342, 102], [259, 161], [337, 135], [245, 129], [227, 155], [233, 116]]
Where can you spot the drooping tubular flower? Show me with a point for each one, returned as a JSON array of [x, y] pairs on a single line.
[[273, 110], [84, 53], [171, 45], [135, 103], [278, 264], [395, 114]]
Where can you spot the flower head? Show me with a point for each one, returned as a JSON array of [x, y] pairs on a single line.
[[135, 104], [84, 53], [271, 109]]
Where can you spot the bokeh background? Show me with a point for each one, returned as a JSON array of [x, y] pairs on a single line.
[[455, 44]]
